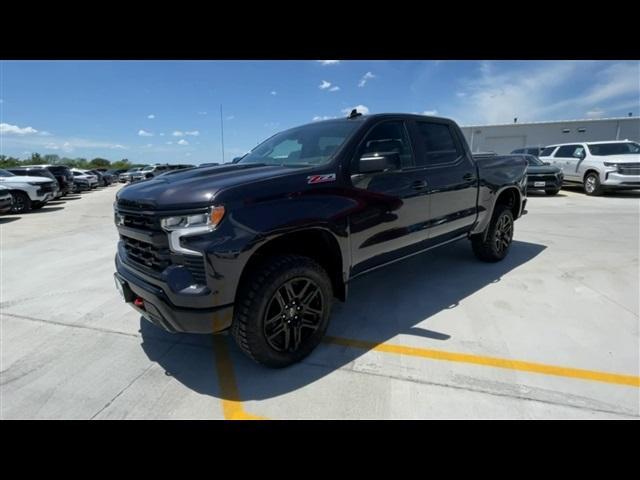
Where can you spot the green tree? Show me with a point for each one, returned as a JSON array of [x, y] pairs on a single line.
[[100, 163], [36, 159]]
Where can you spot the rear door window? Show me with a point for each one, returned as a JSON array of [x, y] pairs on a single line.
[[567, 151], [438, 144]]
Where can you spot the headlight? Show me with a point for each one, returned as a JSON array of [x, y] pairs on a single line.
[[611, 164], [187, 225], [209, 219], [36, 184]]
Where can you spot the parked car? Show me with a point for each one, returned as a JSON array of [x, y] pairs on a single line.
[[597, 166], [28, 192], [126, 176], [537, 151], [62, 174], [542, 176], [6, 199], [262, 246], [37, 172], [82, 176], [80, 182], [103, 180], [91, 179], [150, 171]]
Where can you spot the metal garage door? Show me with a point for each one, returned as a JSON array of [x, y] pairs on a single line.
[[505, 144]]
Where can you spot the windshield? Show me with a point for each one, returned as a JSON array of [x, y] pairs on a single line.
[[312, 144], [78, 174], [147, 169], [604, 149], [4, 173], [534, 161]]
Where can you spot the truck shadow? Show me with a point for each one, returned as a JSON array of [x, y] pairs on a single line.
[[397, 300]]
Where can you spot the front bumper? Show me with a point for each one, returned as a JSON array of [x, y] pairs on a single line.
[[6, 203], [617, 180], [159, 300]]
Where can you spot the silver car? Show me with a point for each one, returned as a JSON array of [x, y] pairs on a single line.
[[597, 166]]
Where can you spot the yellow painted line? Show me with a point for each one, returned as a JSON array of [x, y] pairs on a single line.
[[231, 404], [489, 361]]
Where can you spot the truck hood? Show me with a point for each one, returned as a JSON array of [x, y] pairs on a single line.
[[542, 169], [24, 179], [626, 158], [194, 188]]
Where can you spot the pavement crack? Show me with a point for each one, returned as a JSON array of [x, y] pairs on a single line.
[[69, 325], [135, 379]]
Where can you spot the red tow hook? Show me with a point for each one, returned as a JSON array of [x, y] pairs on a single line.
[[138, 302]]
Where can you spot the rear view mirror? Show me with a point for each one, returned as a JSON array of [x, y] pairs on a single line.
[[380, 162]]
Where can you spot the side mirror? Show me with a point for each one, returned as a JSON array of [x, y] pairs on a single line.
[[374, 163]]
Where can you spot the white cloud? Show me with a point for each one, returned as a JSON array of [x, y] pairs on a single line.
[[183, 142], [179, 133], [169, 143], [162, 134], [318, 118], [149, 145], [151, 116], [430, 112], [202, 113], [335, 88], [329, 62], [8, 129], [461, 94], [595, 113], [231, 117], [360, 108], [545, 91], [144, 133], [273, 92], [366, 77], [45, 133], [324, 85]]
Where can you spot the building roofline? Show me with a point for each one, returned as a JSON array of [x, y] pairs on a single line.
[[549, 122]]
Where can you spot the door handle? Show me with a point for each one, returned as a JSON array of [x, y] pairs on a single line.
[[468, 177], [419, 185]]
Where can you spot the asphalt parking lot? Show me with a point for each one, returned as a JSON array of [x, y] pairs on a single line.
[[550, 332]]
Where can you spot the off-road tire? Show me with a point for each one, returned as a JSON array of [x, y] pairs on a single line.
[[487, 249], [256, 295]]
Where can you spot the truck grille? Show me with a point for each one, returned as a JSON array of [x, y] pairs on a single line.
[[140, 221], [45, 188], [151, 258], [542, 178], [630, 169]]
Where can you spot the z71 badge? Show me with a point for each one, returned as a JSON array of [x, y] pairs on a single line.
[[329, 177]]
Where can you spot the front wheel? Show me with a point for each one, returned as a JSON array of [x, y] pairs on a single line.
[[552, 191], [592, 184], [499, 235], [283, 310], [21, 202]]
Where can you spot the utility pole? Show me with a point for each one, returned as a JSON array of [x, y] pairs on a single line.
[[222, 132]]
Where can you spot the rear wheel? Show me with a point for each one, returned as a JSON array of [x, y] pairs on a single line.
[[499, 235], [592, 184], [21, 202], [283, 310]]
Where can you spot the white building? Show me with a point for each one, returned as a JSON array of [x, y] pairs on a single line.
[[504, 138]]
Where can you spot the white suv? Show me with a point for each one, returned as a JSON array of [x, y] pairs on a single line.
[[28, 192], [598, 166]]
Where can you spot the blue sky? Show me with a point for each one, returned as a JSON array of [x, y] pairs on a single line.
[[168, 111]]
